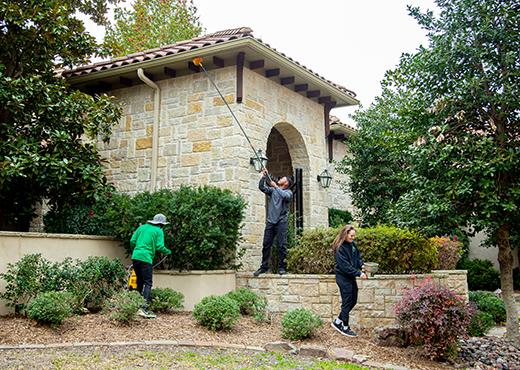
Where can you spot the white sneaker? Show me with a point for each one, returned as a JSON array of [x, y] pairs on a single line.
[[146, 314]]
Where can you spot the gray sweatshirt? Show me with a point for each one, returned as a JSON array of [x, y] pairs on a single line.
[[280, 199]]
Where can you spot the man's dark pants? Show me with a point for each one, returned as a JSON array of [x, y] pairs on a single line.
[[144, 276], [349, 295], [280, 231]]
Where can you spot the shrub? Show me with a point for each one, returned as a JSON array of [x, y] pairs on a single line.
[[50, 308], [339, 218], [398, 251], [83, 219], [123, 306], [250, 303], [449, 252], [489, 303], [204, 229], [216, 312], [313, 254], [481, 322], [299, 323], [164, 299], [481, 274], [435, 317], [516, 278]]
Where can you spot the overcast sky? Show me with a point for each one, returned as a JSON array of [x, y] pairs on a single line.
[[349, 42]]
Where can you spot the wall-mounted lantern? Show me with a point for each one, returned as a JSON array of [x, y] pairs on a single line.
[[256, 163], [324, 179]]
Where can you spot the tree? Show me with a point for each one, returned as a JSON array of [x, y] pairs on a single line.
[[465, 90], [44, 125], [150, 24], [375, 165]]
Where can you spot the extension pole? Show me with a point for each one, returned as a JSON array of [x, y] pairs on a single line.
[[198, 62]]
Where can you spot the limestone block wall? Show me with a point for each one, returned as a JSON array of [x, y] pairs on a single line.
[[320, 294], [337, 197], [200, 144]]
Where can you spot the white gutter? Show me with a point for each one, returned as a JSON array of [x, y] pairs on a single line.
[[156, 120]]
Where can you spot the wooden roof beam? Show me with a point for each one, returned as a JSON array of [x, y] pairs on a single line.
[[287, 80], [272, 72], [218, 62], [302, 87], [257, 64], [313, 94]]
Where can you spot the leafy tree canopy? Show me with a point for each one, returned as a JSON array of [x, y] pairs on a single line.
[[45, 127], [150, 24]]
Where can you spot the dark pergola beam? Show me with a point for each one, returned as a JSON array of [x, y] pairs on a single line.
[[240, 76], [93, 89], [272, 72], [104, 86], [339, 137], [170, 72], [125, 81], [256, 64], [313, 94], [287, 80], [193, 67], [218, 62], [324, 99], [303, 87]]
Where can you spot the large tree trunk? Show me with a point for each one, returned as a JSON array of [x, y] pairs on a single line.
[[505, 259]]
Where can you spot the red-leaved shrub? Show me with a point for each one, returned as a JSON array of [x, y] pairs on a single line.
[[448, 252], [435, 317]]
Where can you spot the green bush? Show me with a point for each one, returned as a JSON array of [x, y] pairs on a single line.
[[50, 308], [398, 251], [313, 253], [164, 299], [435, 317], [299, 323], [83, 219], [216, 312], [339, 218], [123, 306], [204, 229], [489, 303], [250, 303], [481, 322], [481, 274]]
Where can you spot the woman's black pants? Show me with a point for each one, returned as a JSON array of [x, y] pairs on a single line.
[[349, 295]]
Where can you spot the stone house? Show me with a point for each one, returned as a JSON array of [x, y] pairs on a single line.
[[177, 130]]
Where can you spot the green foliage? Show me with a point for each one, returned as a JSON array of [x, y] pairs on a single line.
[[43, 124], [50, 308], [123, 306], [299, 323], [481, 274], [87, 281], [204, 228], [164, 299], [250, 303], [481, 323], [489, 303], [313, 254], [150, 24], [216, 312], [339, 218], [449, 252], [80, 219], [398, 251], [435, 317]]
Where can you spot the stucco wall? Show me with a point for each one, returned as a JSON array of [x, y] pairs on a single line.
[[54, 247], [320, 294], [200, 144]]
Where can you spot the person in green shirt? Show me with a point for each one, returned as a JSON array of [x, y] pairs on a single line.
[[145, 241]]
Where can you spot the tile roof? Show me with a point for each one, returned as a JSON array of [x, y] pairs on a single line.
[[336, 121], [181, 46]]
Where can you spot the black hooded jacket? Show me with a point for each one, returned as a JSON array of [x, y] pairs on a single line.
[[348, 260]]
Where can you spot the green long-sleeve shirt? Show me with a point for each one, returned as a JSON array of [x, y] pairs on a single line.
[[147, 239]]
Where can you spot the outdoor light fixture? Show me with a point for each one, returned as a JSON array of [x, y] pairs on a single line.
[[256, 163], [324, 179]]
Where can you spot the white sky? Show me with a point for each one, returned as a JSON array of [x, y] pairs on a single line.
[[351, 43]]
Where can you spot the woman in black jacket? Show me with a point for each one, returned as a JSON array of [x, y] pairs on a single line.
[[349, 266]]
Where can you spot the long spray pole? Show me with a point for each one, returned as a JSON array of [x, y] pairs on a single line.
[[198, 62]]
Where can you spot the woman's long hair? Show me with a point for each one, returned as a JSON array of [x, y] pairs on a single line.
[[341, 237]]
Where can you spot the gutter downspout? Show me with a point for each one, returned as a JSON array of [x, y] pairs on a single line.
[[156, 121]]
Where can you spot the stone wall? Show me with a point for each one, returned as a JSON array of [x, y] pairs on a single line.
[[200, 143], [320, 294]]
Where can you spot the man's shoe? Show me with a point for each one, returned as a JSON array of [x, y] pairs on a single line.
[[282, 271], [343, 330], [260, 271], [146, 314]]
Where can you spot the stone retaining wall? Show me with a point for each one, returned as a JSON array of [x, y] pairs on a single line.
[[320, 294]]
